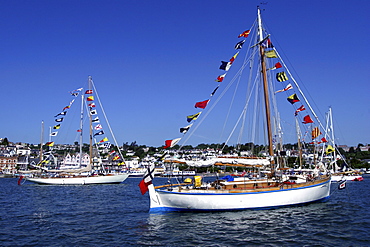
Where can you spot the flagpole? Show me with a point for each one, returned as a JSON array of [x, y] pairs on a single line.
[[81, 126], [265, 87], [332, 137], [299, 143], [41, 139], [91, 130]]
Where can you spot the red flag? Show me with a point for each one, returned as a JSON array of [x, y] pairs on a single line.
[[324, 139], [90, 98], [244, 34], [171, 143], [221, 78], [278, 65], [233, 58], [201, 104], [147, 179], [307, 119], [89, 92], [301, 108], [288, 87]]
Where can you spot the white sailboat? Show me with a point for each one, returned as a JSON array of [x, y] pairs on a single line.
[[90, 173], [337, 174], [274, 186]]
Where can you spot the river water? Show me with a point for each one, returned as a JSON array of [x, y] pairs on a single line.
[[117, 215]]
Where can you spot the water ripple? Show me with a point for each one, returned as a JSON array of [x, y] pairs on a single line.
[[117, 215]]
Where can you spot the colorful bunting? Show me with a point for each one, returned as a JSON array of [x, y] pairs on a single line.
[[293, 98], [329, 149], [281, 76], [233, 58], [193, 117], [49, 144], [95, 120], [307, 119], [91, 105], [90, 98], [271, 54], [59, 120], [89, 92], [301, 108], [76, 92], [98, 127], [220, 78], [105, 145], [315, 133], [267, 44], [185, 129], [324, 139], [61, 114], [202, 104], [277, 66], [116, 158], [214, 91], [171, 143], [288, 87], [239, 45], [225, 65], [99, 133], [93, 112], [54, 133], [244, 34], [104, 140], [56, 127]]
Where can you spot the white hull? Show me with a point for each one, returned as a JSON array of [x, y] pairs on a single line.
[[80, 180], [206, 200], [337, 178]]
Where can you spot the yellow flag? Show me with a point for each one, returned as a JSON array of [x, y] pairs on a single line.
[[315, 133], [329, 149], [270, 54]]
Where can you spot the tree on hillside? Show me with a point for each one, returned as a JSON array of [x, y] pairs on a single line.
[[5, 142]]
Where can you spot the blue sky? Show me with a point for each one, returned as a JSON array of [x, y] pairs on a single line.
[[152, 60]]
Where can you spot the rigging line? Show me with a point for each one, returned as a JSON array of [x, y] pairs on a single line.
[[250, 59], [251, 62], [301, 92], [241, 69], [213, 106], [230, 107], [105, 117], [237, 122], [246, 61], [250, 90]]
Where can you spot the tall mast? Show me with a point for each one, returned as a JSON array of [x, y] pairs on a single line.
[[299, 142], [332, 138], [90, 126], [81, 126], [41, 139], [265, 84]]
